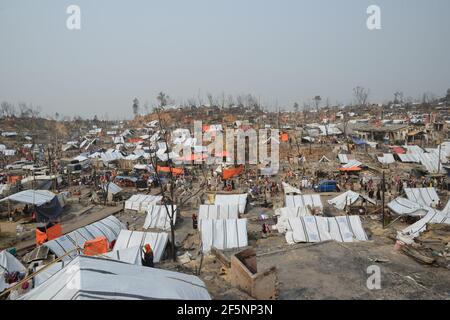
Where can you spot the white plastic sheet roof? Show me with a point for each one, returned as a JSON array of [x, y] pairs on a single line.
[[387, 158], [304, 200], [290, 189], [343, 158], [8, 264], [431, 162], [408, 158], [402, 206], [433, 216], [113, 188], [318, 229], [351, 164], [422, 196], [36, 197], [223, 234], [108, 227], [158, 217], [100, 279], [218, 212], [128, 246], [140, 202], [237, 199], [290, 212], [348, 198]]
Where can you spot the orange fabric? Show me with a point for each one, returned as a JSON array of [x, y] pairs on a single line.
[[41, 237], [95, 246], [233, 172], [350, 169], [54, 232], [194, 157], [284, 137], [14, 179], [135, 140], [175, 171]]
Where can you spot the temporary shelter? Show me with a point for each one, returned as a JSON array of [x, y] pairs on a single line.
[[232, 199], [348, 198], [304, 200], [422, 196], [218, 212], [140, 202], [93, 278], [8, 264], [158, 216], [223, 234]]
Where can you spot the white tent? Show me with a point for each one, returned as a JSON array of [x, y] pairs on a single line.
[[408, 234], [304, 200], [402, 206], [408, 158], [36, 197], [318, 229], [158, 216], [140, 202], [217, 212], [348, 198], [236, 199], [92, 278], [108, 227], [290, 189], [8, 264], [291, 212], [128, 246], [223, 234], [422, 196]]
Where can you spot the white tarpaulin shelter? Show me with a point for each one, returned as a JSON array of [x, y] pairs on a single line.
[[291, 212], [236, 199], [8, 264], [158, 217], [343, 158], [406, 207], [408, 158], [387, 158], [108, 227], [348, 198], [223, 234], [100, 279], [351, 164], [140, 202], [128, 246], [318, 229], [422, 196], [36, 197], [290, 189], [304, 200], [217, 212], [408, 234]]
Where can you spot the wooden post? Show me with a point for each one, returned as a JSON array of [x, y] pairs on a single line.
[[383, 187]]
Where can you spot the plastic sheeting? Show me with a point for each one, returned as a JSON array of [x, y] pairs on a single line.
[[158, 217], [290, 189], [223, 234], [128, 246], [8, 264], [36, 197], [140, 202], [387, 158], [408, 234], [92, 278], [304, 200], [348, 198], [109, 227], [318, 229], [217, 212], [406, 207], [422, 196], [237, 199], [290, 212]]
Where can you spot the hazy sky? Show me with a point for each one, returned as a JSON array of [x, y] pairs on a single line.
[[283, 51]]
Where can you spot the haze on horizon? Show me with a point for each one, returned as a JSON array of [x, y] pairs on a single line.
[[281, 51]]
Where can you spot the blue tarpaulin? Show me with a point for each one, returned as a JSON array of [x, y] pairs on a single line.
[[358, 142], [49, 211]]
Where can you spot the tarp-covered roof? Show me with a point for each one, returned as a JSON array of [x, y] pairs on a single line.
[[36, 197], [304, 200], [8, 264], [158, 216], [217, 212], [236, 199], [223, 234], [348, 198], [100, 279], [422, 196], [140, 202]]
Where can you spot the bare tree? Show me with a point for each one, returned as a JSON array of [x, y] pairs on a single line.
[[210, 98], [7, 109], [361, 95], [296, 107], [398, 97]]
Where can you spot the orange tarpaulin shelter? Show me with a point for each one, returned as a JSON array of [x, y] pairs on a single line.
[[233, 172], [49, 234], [175, 171], [284, 137], [95, 246]]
